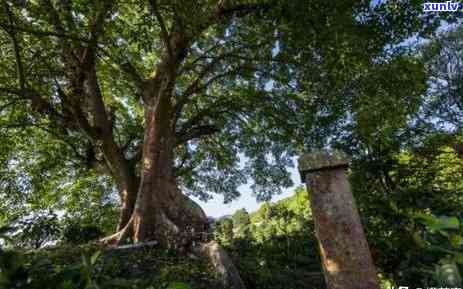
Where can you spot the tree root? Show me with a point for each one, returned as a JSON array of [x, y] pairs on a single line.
[[117, 238], [177, 227], [224, 268], [223, 265]]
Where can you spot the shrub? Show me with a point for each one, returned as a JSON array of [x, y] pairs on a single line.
[[75, 233]]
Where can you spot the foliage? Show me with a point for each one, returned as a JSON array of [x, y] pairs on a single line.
[[12, 270], [444, 66], [179, 285], [443, 236], [36, 231], [43, 229], [16, 271], [279, 249], [223, 231], [407, 162], [396, 186], [241, 224], [244, 61], [87, 267], [5, 231], [256, 84], [76, 233]]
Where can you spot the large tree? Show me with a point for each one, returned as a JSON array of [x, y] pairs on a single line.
[[170, 95]]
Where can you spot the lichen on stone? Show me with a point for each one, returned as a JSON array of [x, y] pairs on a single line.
[[322, 159]]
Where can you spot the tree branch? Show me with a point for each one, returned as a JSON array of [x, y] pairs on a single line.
[[76, 113], [224, 11], [17, 52], [164, 33], [241, 9], [98, 23], [43, 33], [183, 99], [54, 16], [196, 132]]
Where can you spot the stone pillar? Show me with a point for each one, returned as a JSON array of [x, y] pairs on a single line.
[[346, 258]]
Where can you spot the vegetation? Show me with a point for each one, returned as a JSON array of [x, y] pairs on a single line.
[[104, 97], [89, 268], [114, 113], [274, 247]]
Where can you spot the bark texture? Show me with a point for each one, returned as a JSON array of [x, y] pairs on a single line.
[[344, 251], [161, 211], [223, 265]]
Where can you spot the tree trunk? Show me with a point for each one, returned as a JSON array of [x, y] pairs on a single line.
[[126, 180], [161, 211], [128, 195], [102, 132]]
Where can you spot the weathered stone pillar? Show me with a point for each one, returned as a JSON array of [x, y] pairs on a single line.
[[344, 251]]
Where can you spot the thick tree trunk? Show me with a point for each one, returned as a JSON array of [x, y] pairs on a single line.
[[100, 128], [161, 211]]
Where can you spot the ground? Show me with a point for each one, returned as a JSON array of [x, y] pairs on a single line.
[[92, 267]]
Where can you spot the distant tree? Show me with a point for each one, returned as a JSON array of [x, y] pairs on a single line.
[[241, 224], [444, 67], [411, 165], [224, 231], [278, 253]]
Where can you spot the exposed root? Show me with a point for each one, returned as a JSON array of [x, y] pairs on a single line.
[[117, 238], [174, 221], [223, 265], [136, 246]]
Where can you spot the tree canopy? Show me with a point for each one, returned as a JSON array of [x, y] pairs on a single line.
[[128, 108], [233, 93]]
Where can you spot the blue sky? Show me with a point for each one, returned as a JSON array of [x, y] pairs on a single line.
[[216, 208]]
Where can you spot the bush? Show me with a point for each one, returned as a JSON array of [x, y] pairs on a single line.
[[75, 233], [37, 230]]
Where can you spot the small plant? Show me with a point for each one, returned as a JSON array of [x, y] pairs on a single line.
[[443, 236], [12, 273], [87, 270]]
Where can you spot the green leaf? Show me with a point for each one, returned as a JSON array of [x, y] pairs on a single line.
[[94, 257], [459, 258], [437, 224], [446, 223], [456, 241], [178, 285]]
